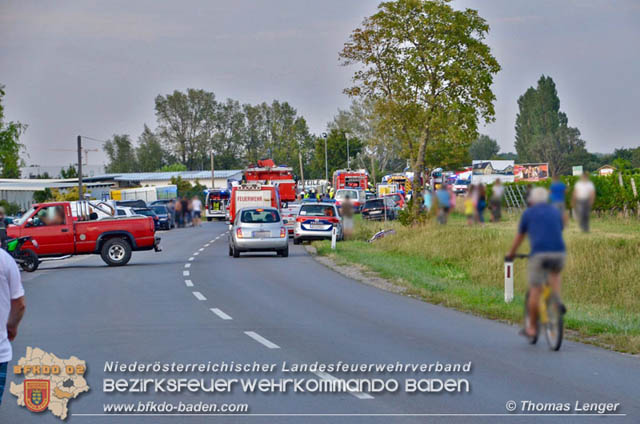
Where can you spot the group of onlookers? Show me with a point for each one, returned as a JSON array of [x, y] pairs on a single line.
[[476, 201], [186, 211]]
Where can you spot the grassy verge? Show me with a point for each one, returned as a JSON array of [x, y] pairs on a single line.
[[462, 267]]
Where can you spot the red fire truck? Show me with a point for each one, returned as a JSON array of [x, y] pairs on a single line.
[[349, 178], [266, 172], [251, 196]]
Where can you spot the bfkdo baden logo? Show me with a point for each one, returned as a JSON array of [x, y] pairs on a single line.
[[36, 394], [49, 382]]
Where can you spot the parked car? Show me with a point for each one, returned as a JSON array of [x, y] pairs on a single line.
[[165, 217], [161, 202], [289, 215], [150, 213], [132, 203], [316, 221], [124, 211], [60, 234], [258, 230], [376, 209]]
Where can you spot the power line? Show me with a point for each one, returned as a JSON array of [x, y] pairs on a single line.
[[93, 139]]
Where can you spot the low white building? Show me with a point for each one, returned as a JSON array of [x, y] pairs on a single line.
[[154, 179]]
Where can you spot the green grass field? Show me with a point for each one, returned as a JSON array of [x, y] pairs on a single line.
[[462, 267]]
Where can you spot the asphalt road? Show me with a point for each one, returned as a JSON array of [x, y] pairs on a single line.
[[193, 303]]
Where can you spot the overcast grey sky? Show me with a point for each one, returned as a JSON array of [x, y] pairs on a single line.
[[95, 67]]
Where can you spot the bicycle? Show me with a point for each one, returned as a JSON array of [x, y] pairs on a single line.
[[550, 314]]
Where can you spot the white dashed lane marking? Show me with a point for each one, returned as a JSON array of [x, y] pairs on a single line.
[[188, 283], [257, 337], [196, 253], [199, 295], [187, 265], [220, 313], [186, 273], [201, 249], [191, 259]]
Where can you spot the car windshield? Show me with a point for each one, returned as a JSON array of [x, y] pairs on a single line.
[[342, 194], [463, 182], [259, 216], [396, 197], [317, 210], [23, 218], [377, 203], [159, 209]]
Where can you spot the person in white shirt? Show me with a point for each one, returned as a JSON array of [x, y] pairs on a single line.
[[12, 308], [584, 194], [197, 210]]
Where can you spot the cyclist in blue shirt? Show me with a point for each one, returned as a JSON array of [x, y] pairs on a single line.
[[543, 224]]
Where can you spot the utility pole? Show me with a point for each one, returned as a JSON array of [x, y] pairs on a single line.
[[301, 170], [326, 167], [80, 195], [213, 178], [348, 161]]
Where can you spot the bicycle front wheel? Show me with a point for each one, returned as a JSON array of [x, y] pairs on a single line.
[[554, 327]]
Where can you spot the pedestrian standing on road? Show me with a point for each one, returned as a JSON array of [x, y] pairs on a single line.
[[347, 217], [584, 194], [557, 193], [179, 215], [496, 201], [197, 211], [184, 207], [482, 202], [12, 308], [171, 206]]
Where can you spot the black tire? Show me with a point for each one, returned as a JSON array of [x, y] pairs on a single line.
[[285, 252], [554, 329], [533, 340], [236, 253], [230, 251], [296, 241], [209, 219], [30, 260], [116, 252]]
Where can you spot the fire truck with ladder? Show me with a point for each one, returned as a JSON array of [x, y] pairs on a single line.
[[266, 172], [349, 178]]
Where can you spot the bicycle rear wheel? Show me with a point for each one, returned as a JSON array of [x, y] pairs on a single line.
[[527, 319], [554, 328]]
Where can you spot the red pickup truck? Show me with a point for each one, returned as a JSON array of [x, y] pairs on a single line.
[[59, 233]]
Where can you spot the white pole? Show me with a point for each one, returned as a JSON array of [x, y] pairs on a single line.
[[333, 237], [508, 282]]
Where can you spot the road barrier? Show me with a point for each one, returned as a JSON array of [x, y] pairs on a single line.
[[508, 281], [334, 235]]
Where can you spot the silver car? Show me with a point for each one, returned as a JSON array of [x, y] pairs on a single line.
[[258, 230]]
